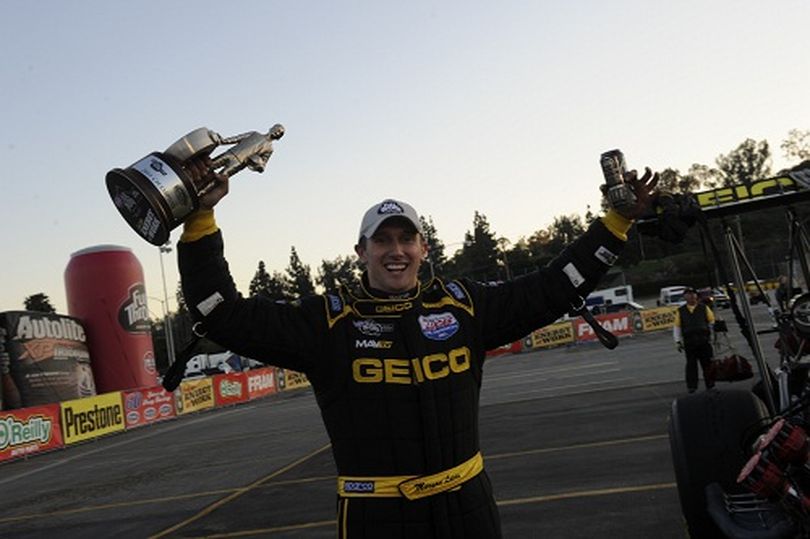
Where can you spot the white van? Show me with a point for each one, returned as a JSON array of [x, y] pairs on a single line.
[[671, 295]]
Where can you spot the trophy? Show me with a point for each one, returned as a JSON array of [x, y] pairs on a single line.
[[155, 194]]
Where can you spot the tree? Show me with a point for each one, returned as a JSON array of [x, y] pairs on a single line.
[[436, 257], [702, 176], [39, 302], [563, 231], [264, 284], [478, 259], [298, 280], [797, 145], [748, 162], [342, 270]]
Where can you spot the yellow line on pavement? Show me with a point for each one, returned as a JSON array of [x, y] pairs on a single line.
[[266, 531], [227, 499], [576, 446], [585, 494]]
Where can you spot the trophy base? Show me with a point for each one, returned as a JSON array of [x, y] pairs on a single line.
[[154, 196]]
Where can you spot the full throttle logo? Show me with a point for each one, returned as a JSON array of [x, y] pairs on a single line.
[[133, 314]]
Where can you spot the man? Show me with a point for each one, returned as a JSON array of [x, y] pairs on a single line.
[[396, 364], [692, 333]]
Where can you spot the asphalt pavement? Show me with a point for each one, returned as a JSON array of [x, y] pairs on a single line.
[[574, 440]]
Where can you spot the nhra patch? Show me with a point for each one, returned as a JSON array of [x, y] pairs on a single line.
[[438, 327], [605, 256]]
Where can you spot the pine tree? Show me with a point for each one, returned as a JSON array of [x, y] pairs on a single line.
[[298, 279]]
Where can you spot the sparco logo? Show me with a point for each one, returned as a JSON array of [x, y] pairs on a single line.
[[358, 486], [372, 328], [133, 315], [41, 328]]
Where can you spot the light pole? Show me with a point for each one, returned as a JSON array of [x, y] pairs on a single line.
[[165, 248], [165, 330]]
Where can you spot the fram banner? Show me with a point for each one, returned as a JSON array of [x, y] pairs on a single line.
[[660, 318], [83, 419], [261, 382], [553, 335], [617, 323], [147, 405], [195, 395], [230, 388], [29, 430]]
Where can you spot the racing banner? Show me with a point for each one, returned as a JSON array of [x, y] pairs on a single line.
[[619, 324], [293, 380], [46, 357], [147, 405], [84, 419], [512, 348], [553, 335], [230, 388], [29, 430], [261, 382], [195, 395], [660, 318]]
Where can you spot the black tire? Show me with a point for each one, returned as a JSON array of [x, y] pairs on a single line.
[[706, 432]]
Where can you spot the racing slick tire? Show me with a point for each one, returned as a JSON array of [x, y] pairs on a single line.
[[706, 432]]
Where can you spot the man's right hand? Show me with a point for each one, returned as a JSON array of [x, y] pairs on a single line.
[[201, 174]]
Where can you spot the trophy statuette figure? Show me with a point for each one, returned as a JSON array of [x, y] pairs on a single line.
[[156, 193]]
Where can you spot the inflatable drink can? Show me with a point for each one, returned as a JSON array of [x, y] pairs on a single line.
[[105, 290]]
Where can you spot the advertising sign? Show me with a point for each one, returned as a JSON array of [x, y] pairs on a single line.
[[195, 395], [617, 323], [47, 358], [147, 405], [511, 348], [261, 382], [295, 380], [553, 335], [660, 318], [230, 388], [83, 419], [29, 430]]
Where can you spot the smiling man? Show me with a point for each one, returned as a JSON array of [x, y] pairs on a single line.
[[395, 363]]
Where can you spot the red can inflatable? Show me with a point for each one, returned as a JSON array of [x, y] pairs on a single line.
[[105, 290]]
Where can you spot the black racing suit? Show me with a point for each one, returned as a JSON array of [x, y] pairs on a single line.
[[397, 379]]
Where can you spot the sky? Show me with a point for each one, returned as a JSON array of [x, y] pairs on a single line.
[[455, 107]]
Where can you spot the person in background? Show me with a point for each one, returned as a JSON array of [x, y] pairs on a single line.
[[693, 336]]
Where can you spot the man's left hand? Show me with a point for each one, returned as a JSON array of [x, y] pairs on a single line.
[[644, 189]]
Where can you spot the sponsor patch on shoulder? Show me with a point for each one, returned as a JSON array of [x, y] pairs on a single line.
[[438, 327], [573, 274], [457, 291], [606, 256], [335, 303], [208, 304]]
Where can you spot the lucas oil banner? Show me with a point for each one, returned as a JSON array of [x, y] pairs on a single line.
[[47, 358]]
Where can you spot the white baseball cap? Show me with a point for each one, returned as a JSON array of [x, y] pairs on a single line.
[[388, 208]]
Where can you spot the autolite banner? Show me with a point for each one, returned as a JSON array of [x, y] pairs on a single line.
[[29, 430], [47, 358], [147, 405], [84, 419], [230, 388], [619, 324], [261, 382]]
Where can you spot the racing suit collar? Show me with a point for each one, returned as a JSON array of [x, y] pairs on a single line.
[[367, 291]]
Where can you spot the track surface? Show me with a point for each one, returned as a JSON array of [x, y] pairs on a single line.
[[574, 440]]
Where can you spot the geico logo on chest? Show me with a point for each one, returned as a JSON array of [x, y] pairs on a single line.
[[407, 371]]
